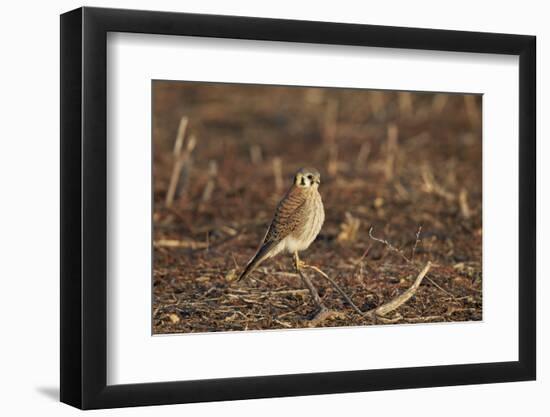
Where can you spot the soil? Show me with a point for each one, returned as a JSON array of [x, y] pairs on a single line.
[[407, 165]]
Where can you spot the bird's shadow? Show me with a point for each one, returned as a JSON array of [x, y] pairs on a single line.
[[50, 392]]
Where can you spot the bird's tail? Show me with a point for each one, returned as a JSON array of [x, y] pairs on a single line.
[[263, 253]]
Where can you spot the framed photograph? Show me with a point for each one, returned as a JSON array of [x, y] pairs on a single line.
[[257, 208]]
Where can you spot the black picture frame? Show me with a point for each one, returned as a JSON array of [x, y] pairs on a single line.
[[84, 207]]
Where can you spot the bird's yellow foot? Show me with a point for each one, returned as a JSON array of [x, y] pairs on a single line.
[[298, 263]]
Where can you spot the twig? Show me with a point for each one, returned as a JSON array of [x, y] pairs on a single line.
[[281, 273], [377, 103], [181, 158], [440, 288], [400, 253], [358, 263], [330, 122], [312, 290], [289, 292], [236, 226], [178, 143], [314, 96], [288, 313], [172, 243], [209, 188], [472, 110], [283, 323], [278, 173], [330, 126], [401, 190], [403, 298], [195, 245], [463, 202], [388, 321], [439, 102], [348, 229], [362, 156], [431, 186], [384, 309], [219, 242], [185, 173], [256, 154], [332, 166], [335, 285], [391, 151], [389, 245], [416, 242], [425, 319]]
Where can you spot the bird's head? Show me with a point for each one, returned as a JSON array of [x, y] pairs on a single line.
[[307, 178]]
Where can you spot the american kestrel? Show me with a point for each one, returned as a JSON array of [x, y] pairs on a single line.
[[297, 221]]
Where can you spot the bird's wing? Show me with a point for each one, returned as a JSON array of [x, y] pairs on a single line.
[[288, 216]]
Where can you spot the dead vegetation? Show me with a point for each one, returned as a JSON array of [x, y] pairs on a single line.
[[407, 164]]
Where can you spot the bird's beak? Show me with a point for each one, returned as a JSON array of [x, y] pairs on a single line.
[[318, 181]]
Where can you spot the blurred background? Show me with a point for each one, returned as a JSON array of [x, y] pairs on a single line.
[[405, 165]]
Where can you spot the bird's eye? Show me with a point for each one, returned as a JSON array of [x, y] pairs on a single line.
[[310, 177]]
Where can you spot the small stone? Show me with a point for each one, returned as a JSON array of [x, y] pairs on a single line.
[[231, 275], [174, 318]]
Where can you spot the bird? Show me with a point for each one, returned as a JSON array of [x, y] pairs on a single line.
[[297, 221]]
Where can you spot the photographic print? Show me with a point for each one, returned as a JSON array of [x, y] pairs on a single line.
[[290, 207]]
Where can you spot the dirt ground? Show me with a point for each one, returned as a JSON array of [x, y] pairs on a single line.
[[407, 165]]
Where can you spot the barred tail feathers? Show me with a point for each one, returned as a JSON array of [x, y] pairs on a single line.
[[263, 253]]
